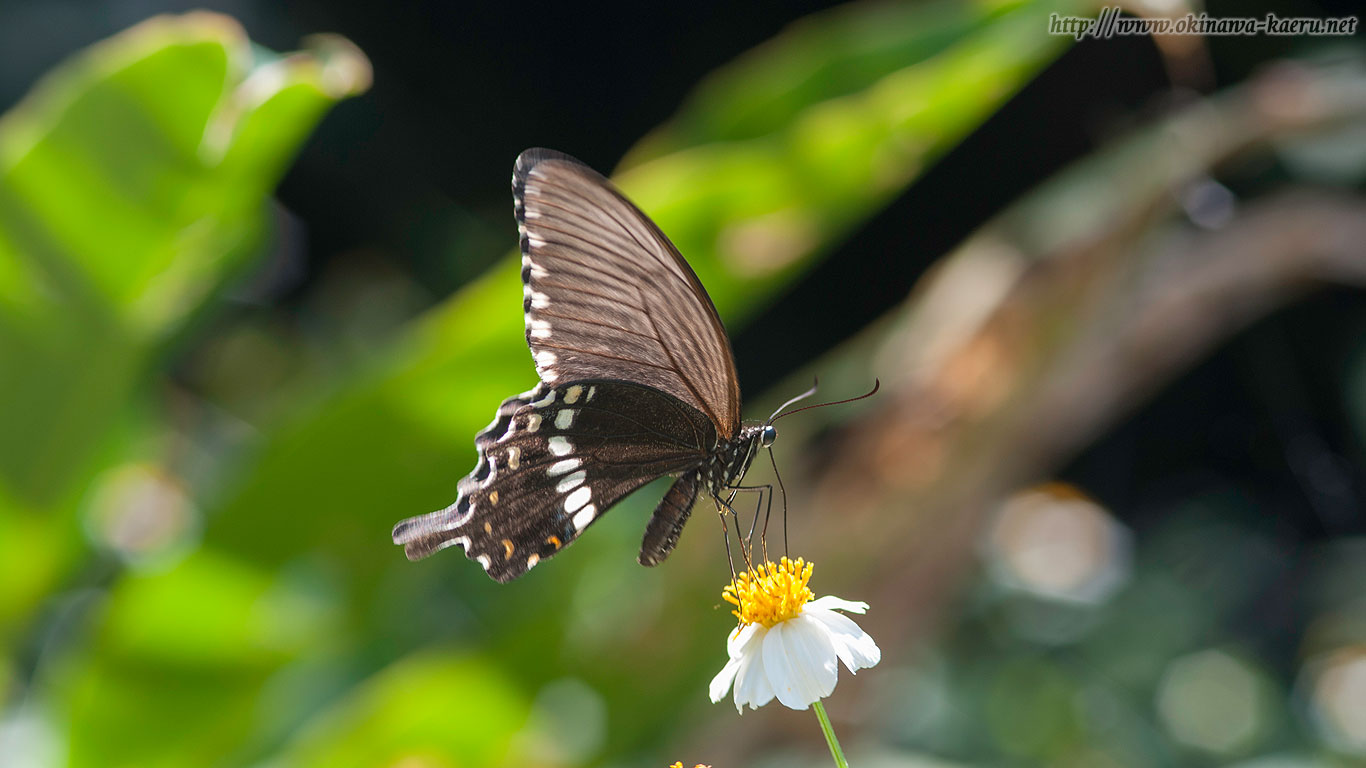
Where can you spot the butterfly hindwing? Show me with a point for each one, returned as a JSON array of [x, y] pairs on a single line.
[[553, 460]]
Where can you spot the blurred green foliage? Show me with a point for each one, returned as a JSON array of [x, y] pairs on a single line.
[[133, 187], [135, 184]]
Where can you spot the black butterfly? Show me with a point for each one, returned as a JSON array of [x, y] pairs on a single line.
[[637, 381]]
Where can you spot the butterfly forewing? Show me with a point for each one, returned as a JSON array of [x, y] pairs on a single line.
[[551, 463], [607, 296]]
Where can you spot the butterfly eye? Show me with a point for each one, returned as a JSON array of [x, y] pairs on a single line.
[[767, 437]]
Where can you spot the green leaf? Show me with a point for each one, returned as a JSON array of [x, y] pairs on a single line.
[[436, 709], [193, 645], [134, 181]]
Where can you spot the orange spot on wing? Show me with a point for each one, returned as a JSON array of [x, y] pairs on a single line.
[[507, 547], [554, 540]]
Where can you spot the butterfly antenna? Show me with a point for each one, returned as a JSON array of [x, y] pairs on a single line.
[[778, 414], [877, 384], [815, 382]]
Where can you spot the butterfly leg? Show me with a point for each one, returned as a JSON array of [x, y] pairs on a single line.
[[725, 537], [725, 507], [758, 507]]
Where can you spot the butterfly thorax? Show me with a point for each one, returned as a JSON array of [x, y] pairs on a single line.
[[727, 465]]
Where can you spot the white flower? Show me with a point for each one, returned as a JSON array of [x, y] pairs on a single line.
[[788, 645]]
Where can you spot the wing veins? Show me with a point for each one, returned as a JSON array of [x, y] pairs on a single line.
[[643, 309], [671, 267], [697, 444], [576, 289], [634, 266], [706, 407], [561, 197], [599, 323], [613, 357]]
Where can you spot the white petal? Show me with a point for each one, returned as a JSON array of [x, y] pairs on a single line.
[[832, 603], [752, 686], [800, 661], [854, 646], [721, 683], [740, 637], [744, 648]]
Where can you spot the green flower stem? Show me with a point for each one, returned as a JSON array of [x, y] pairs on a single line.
[[830, 735]]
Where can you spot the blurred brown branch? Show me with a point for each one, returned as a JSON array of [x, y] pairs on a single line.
[[1055, 320], [1041, 331], [1066, 353]]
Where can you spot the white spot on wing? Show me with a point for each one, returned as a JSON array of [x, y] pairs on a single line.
[[563, 466], [539, 300], [547, 400], [532, 561], [535, 241], [585, 515], [538, 271], [514, 457], [463, 541], [533, 422], [533, 214], [571, 482], [545, 358], [540, 329], [591, 391], [483, 560], [565, 418], [559, 445], [577, 499], [572, 395]]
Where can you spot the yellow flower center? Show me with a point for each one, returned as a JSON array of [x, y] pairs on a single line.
[[770, 593]]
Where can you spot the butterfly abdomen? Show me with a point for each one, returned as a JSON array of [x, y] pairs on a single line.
[[666, 524]]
